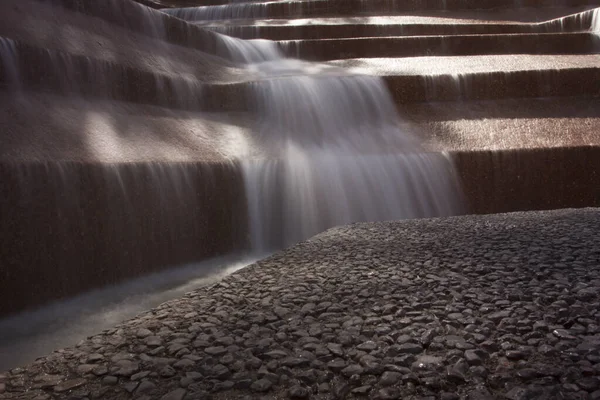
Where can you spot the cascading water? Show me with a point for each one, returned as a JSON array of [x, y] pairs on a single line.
[[330, 152], [328, 149], [595, 26]]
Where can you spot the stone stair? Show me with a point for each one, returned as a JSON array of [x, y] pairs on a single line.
[[351, 8], [544, 20], [476, 78]]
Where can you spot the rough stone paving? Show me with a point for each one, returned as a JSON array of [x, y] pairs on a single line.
[[476, 307]]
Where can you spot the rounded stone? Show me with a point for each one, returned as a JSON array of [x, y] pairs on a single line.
[[298, 392], [261, 385]]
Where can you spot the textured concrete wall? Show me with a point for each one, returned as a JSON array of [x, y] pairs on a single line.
[[495, 85], [530, 179], [69, 227]]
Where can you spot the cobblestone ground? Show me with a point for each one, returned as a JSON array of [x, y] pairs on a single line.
[[476, 307]]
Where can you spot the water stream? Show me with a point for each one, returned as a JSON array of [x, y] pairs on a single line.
[[332, 152], [29, 335]]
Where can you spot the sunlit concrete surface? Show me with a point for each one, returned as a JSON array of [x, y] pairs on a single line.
[[517, 16], [507, 124], [49, 127], [465, 65]]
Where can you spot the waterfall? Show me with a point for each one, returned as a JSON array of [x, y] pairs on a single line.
[[328, 147], [304, 193], [331, 152], [595, 27]]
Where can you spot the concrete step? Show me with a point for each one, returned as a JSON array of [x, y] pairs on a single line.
[[507, 124], [529, 179], [57, 72], [420, 79], [127, 132], [352, 8], [42, 128], [423, 4], [75, 33], [154, 4], [517, 154], [544, 20], [158, 4], [411, 79], [60, 18], [455, 45]]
